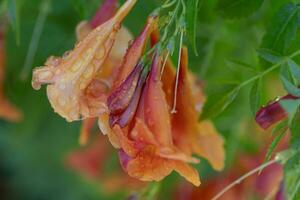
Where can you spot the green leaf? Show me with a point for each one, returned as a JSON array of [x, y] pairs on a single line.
[[290, 88], [279, 133], [291, 106], [292, 175], [269, 55], [282, 29], [191, 21], [218, 103], [255, 96], [238, 8], [242, 64], [13, 7], [295, 69]]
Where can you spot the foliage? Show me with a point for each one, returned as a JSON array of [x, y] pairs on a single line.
[[244, 51]]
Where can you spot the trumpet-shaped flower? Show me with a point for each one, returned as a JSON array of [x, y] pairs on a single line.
[[71, 91], [147, 148]]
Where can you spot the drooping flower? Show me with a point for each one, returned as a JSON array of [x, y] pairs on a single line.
[[147, 148], [101, 84], [71, 91], [7, 110]]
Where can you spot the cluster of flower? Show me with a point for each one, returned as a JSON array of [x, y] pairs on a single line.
[[131, 93]]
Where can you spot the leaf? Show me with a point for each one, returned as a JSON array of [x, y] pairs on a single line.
[[269, 55], [291, 106], [282, 29], [13, 7], [242, 64], [279, 134], [290, 88], [191, 21], [218, 103], [238, 8], [292, 175], [295, 69], [255, 96]]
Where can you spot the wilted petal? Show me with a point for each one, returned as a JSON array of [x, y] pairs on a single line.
[[70, 75], [119, 99], [135, 51], [125, 118]]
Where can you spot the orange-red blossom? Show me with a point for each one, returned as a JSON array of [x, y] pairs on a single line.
[[136, 116]]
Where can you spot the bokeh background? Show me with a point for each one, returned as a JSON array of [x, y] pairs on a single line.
[[33, 151]]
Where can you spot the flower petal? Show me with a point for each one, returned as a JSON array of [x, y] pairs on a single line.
[[210, 145], [69, 76], [135, 52]]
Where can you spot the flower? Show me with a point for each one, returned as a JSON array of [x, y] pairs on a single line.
[[147, 150], [272, 113], [102, 82], [7, 110], [71, 91], [190, 135]]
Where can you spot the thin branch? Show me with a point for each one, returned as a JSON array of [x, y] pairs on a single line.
[[239, 180]]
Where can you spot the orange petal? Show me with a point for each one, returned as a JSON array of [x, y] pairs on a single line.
[[190, 135], [187, 172], [103, 124], [8, 111], [210, 145], [135, 52], [147, 166], [69, 76], [85, 131], [156, 107]]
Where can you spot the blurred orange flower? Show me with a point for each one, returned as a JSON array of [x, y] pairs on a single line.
[[7, 110]]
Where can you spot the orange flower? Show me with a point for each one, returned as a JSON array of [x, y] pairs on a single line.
[[153, 142], [190, 135], [147, 149], [7, 110], [71, 91], [102, 82]]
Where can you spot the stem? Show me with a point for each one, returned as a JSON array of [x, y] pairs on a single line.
[[273, 67], [239, 180], [35, 38], [177, 74]]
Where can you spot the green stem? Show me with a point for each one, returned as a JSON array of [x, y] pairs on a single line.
[[260, 75]]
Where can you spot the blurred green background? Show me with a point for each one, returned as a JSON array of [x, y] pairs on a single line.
[[32, 152]]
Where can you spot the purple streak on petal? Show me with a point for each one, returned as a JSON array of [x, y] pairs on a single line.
[[125, 118], [120, 98], [124, 159]]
